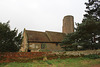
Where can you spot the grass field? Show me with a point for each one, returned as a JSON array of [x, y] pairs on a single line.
[[70, 62]]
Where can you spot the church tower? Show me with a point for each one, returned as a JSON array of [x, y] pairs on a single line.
[[68, 24]]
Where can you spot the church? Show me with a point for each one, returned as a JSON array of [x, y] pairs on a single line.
[[35, 41]]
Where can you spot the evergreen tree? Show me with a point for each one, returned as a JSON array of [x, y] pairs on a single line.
[[93, 10], [9, 39], [87, 33]]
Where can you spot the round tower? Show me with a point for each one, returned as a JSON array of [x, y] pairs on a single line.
[[68, 24]]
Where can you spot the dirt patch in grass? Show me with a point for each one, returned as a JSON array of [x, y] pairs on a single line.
[[98, 65]]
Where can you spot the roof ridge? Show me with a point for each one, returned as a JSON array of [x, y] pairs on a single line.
[[53, 32], [35, 31]]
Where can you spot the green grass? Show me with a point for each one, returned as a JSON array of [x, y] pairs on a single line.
[[70, 62]]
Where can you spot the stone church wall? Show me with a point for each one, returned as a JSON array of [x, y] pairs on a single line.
[[47, 47]]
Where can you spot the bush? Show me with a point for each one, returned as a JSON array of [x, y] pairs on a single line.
[[44, 50], [92, 56]]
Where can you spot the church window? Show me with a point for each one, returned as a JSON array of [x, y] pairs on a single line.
[[43, 45]]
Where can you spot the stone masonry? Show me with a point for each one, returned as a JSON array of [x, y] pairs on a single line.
[[68, 24]]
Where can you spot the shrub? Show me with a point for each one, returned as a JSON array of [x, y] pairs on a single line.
[[48, 62], [92, 56], [44, 50]]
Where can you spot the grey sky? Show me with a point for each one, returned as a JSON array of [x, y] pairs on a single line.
[[40, 15]]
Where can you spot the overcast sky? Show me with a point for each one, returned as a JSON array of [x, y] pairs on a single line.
[[40, 15]]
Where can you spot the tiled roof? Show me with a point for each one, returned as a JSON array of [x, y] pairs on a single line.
[[48, 36], [55, 36]]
